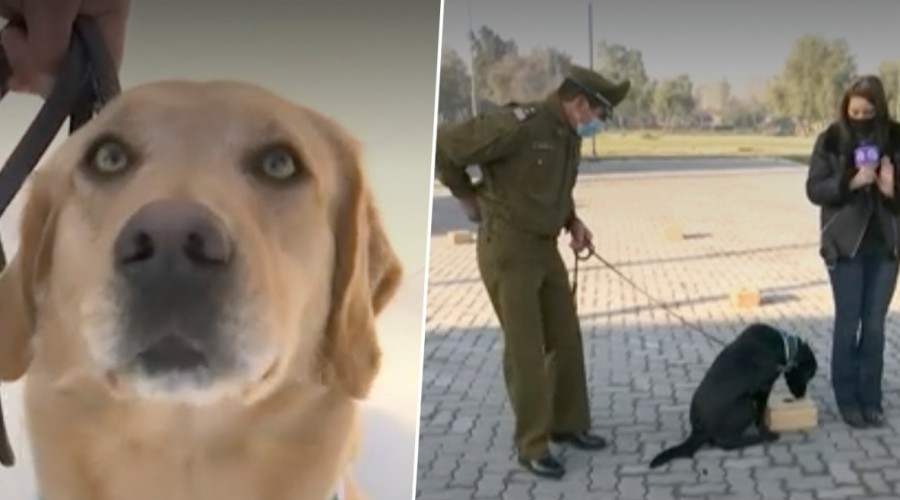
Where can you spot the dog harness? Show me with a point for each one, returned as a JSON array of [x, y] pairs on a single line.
[[791, 346]]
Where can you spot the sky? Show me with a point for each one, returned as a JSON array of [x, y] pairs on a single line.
[[741, 40]]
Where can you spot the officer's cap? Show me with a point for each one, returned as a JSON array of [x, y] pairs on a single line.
[[597, 87]]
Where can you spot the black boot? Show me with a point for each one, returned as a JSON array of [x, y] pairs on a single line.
[[854, 418], [874, 417], [581, 440], [546, 466]]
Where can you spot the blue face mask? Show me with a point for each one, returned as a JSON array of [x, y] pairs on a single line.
[[590, 128]]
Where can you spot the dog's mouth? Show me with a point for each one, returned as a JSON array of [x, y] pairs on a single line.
[[172, 353], [168, 366]]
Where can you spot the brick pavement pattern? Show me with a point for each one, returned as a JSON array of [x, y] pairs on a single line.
[[743, 226]]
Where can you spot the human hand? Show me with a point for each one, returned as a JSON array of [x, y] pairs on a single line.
[[581, 238], [863, 177], [886, 175], [38, 39], [470, 207]]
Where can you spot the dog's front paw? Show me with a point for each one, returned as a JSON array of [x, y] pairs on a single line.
[[770, 436]]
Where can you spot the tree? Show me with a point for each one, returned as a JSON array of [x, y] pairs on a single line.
[[528, 78], [816, 73], [454, 91], [714, 98], [744, 113], [488, 50], [619, 63], [889, 72], [673, 101]]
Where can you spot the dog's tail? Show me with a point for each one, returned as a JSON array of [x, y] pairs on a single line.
[[683, 450]]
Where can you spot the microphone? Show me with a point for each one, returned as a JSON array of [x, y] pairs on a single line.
[[867, 156]]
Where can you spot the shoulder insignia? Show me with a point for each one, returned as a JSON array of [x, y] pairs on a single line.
[[523, 113]]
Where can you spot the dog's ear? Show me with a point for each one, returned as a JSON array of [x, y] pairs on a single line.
[[806, 356], [17, 295], [28, 267], [366, 276]]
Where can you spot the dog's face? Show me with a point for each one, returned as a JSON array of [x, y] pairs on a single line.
[[803, 371], [202, 241]]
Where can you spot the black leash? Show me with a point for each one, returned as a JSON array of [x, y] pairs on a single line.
[[86, 81], [590, 252]]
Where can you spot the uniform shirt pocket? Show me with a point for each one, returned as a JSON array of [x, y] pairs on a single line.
[[544, 172]]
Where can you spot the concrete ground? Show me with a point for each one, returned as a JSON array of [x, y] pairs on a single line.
[[746, 223]]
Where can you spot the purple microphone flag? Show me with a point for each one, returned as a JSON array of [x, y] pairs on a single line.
[[867, 155]]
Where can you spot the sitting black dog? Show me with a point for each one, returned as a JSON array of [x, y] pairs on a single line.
[[734, 393]]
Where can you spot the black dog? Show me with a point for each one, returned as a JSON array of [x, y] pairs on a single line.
[[734, 393]]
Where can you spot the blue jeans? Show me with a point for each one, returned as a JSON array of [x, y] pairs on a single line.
[[862, 288]]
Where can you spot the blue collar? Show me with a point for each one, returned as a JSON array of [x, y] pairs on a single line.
[[791, 345]]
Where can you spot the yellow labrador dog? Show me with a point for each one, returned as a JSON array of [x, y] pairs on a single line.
[[194, 300]]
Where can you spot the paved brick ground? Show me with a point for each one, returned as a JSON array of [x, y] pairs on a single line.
[[746, 224]]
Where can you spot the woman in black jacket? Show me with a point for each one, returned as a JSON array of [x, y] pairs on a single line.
[[853, 178]]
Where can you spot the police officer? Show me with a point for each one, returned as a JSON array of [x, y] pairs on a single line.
[[529, 156]]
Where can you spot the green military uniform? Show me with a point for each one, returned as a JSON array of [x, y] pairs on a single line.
[[529, 156]]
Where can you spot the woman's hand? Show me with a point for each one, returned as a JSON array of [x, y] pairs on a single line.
[[864, 176], [886, 175]]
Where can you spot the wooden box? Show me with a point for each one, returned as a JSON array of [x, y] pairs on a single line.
[[786, 414], [462, 237], [745, 297]]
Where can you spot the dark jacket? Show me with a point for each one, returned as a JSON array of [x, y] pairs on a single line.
[[528, 156], [845, 214]]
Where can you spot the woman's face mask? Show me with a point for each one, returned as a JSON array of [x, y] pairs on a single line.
[[862, 126], [861, 116]]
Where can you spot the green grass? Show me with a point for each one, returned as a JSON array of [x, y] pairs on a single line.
[[694, 144]]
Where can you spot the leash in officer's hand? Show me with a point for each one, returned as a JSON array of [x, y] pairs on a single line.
[[591, 252], [86, 81]]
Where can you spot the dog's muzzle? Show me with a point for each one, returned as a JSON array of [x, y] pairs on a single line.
[[174, 263]]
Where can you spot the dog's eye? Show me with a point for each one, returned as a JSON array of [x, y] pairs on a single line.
[[278, 164], [108, 157]]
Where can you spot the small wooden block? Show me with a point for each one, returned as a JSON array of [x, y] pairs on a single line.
[[673, 233], [462, 237], [745, 297], [786, 414]]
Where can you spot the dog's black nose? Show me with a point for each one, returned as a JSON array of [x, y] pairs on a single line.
[[172, 239]]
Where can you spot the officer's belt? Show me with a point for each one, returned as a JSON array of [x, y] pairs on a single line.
[[498, 226]]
